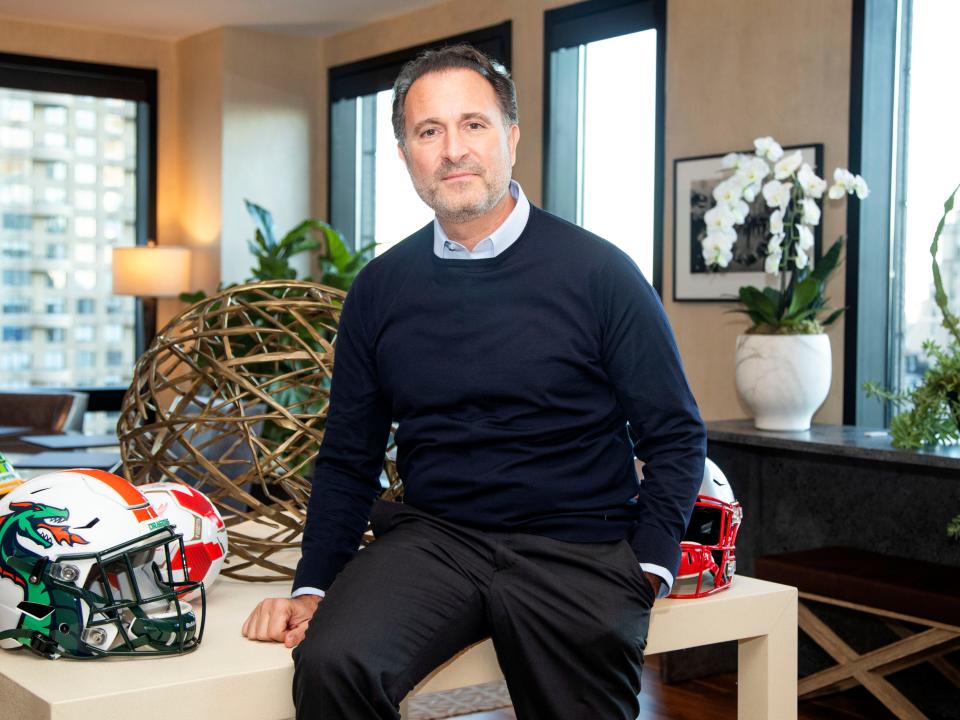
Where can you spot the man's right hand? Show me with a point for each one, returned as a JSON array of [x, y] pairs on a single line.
[[281, 619]]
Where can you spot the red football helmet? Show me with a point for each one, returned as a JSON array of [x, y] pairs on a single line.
[[708, 545]]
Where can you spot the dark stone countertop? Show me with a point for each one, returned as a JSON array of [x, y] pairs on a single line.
[[848, 441]]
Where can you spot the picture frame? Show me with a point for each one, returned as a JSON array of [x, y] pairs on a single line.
[[693, 181]]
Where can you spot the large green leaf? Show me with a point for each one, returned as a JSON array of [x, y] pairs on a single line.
[[828, 263], [804, 293], [950, 321], [264, 222]]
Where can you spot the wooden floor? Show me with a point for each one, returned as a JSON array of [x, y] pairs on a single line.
[[715, 697]]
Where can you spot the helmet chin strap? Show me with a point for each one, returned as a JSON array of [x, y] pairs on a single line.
[[38, 642]]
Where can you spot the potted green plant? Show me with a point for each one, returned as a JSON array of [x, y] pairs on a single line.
[[338, 265], [783, 358], [930, 411]]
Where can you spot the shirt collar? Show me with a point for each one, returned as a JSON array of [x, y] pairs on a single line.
[[492, 245]]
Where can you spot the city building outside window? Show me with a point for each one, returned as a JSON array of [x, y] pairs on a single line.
[[930, 173], [78, 179]]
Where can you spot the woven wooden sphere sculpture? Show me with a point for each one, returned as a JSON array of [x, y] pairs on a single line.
[[231, 398]]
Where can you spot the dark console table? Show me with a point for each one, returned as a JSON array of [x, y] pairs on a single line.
[[837, 485]]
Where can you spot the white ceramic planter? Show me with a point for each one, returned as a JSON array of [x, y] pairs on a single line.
[[783, 379]]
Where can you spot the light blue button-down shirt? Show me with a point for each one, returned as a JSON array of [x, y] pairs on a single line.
[[491, 246]]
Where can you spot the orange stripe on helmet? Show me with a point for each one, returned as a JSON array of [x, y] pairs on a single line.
[[139, 505]]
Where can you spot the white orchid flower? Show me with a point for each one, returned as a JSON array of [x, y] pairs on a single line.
[[801, 259], [777, 194], [740, 210], [772, 263], [717, 249], [843, 183], [805, 241], [732, 160], [775, 243], [750, 192], [811, 211], [728, 191], [754, 171], [812, 185], [768, 148], [787, 166], [776, 222], [721, 219], [860, 187]]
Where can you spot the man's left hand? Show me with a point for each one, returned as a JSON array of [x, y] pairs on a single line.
[[654, 581]]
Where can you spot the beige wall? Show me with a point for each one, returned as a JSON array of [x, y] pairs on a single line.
[[200, 60], [736, 69], [269, 103]]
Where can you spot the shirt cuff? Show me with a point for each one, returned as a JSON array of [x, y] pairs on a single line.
[[660, 572], [307, 590]]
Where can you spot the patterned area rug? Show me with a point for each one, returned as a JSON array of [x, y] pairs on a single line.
[[462, 701]]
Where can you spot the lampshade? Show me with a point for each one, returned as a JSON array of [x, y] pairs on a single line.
[[151, 271]]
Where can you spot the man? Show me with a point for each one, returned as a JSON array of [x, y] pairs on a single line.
[[512, 348]]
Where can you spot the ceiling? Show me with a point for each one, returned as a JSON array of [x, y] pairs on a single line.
[[175, 19]]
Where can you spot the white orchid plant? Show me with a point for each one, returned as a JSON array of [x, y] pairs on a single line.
[[791, 189]]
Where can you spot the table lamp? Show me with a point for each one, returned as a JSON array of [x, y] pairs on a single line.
[[150, 272]]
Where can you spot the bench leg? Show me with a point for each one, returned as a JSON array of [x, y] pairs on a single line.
[[860, 666], [767, 671]]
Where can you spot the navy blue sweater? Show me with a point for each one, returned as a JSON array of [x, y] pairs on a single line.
[[512, 380]]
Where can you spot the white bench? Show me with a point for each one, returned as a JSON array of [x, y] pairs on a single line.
[[229, 676]]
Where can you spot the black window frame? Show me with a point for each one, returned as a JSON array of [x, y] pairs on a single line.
[[873, 310], [55, 75], [593, 20], [378, 73]]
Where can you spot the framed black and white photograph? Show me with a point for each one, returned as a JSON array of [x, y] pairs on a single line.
[[694, 180]]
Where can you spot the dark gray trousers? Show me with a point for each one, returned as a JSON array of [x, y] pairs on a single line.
[[568, 621]]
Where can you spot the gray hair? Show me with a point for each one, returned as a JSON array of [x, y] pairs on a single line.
[[450, 58]]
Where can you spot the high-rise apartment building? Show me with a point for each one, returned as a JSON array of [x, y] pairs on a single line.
[[67, 196]]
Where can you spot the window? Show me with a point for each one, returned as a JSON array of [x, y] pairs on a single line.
[[15, 360], [16, 278], [101, 121], [17, 248], [55, 115], [371, 196], [16, 306], [56, 225], [16, 109], [84, 333], [15, 333], [17, 221], [112, 333], [902, 141], [931, 151], [56, 306], [596, 124], [85, 227], [85, 146], [55, 195], [86, 359], [54, 360], [15, 138]]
